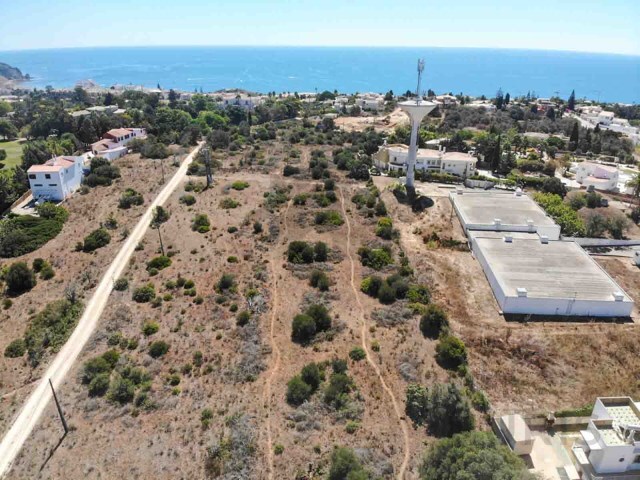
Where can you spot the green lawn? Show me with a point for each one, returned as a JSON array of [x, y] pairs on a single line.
[[14, 154]]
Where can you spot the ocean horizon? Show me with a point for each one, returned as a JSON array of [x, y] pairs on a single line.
[[472, 71]]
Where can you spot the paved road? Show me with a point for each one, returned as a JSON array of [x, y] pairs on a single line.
[[40, 397]]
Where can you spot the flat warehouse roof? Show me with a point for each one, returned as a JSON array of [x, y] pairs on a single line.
[[546, 270], [476, 208]]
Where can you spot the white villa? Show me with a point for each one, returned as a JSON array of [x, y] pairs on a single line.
[[610, 447], [239, 100], [370, 101], [114, 143], [394, 158], [595, 115], [57, 179], [602, 177]]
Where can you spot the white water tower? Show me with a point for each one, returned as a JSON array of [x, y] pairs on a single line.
[[416, 110]]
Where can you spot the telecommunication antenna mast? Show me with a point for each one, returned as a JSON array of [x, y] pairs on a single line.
[[420, 70], [207, 164]]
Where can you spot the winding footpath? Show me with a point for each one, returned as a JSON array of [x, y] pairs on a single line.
[[30, 413], [363, 338], [266, 398]]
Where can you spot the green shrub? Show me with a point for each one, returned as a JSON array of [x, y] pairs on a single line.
[[357, 354], [38, 264], [121, 284], [17, 348], [96, 239], [298, 391], [346, 466], [312, 375], [570, 222], [384, 229], [336, 393], [434, 322], [19, 278], [352, 426], [290, 170], [99, 385], [319, 280], [159, 263], [158, 348], [371, 285], [243, 318], [144, 294], [188, 199], [226, 282], [300, 199], [201, 223], [205, 417], [419, 294], [321, 317], [149, 328], [239, 185], [228, 203], [386, 294], [278, 449], [451, 352], [122, 390], [320, 252], [232, 229], [300, 252], [130, 198], [257, 227], [329, 217], [47, 272], [443, 408], [376, 258], [26, 233], [303, 329]]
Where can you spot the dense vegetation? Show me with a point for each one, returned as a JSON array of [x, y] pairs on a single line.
[[23, 234]]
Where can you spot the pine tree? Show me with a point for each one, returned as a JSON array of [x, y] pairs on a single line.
[[507, 98], [575, 137], [499, 99], [571, 103]]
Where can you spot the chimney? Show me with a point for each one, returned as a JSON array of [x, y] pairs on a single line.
[[522, 292], [459, 191], [544, 239], [497, 222], [508, 239], [518, 192], [618, 296], [531, 225]]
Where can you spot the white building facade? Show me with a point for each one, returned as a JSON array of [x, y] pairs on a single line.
[[601, 177], [394, 158], [57, 179], [114, 143]]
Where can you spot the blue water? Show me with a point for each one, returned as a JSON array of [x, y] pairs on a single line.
[[347, 69]]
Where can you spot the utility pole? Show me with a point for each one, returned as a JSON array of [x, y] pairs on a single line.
[[60, 412], [160, 238], [162, 168]]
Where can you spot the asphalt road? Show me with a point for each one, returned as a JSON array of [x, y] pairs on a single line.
[[31, 411]]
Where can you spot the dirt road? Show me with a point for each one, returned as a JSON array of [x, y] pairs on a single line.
[[40, 397]]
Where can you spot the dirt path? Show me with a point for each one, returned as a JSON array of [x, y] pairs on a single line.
[[363, 337], [30, 413], [266, 398]]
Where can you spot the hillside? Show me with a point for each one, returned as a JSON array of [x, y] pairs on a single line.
[[12, 73]]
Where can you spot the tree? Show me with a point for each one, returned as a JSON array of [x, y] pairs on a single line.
[[451, 352], [551, 113], [298, 391], [443, 407], [472, 456], [7, 129], [507, 98], [571, 103], [434, 321], [346, 466], [634, 184], [574, 137], [20, 278], [553, 185], [3, 155], [303, 328], [499, 99]]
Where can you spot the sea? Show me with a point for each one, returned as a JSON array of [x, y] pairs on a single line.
[[472, 71]]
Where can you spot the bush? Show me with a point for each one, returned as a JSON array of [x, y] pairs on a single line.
[[38, 264], [376, 258], [346, 466], [419, 294], [257, 227], [451, 352], [319, 280], [357, 354], [15, 349], [329, 217], [443, 408], [205, 417], [47, 272], [303, 329], [96, 239], [122, 390], [386, 294], [243, 318], [300, 199], [570, 223], [121, 284], [312, 375], [290, 170], [228, 203], [329, 184], [384, 229], [336, 393], [99, 385], [144, 294], [300, 252], [371, 285], [201, 223], [320, 252], [19, 278], [150, 328], [158, 348], [226, 282], [239, 185], [298, 391], [472, 455], [130, 198], [321, 317], [434, 322], [187, 199], [26, 233], [159, 262]]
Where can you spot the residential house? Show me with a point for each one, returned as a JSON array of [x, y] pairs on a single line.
[[394, 158], [370, 101], [56, 179], [602, 177], [245, 101], [114, 143], [610, 446]]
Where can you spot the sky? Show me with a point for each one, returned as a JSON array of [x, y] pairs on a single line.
[[610, 26]]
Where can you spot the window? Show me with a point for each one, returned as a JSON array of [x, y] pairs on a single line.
[[38, 185], [637, 459], [47, 176], [53, 184], [32, 176]]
